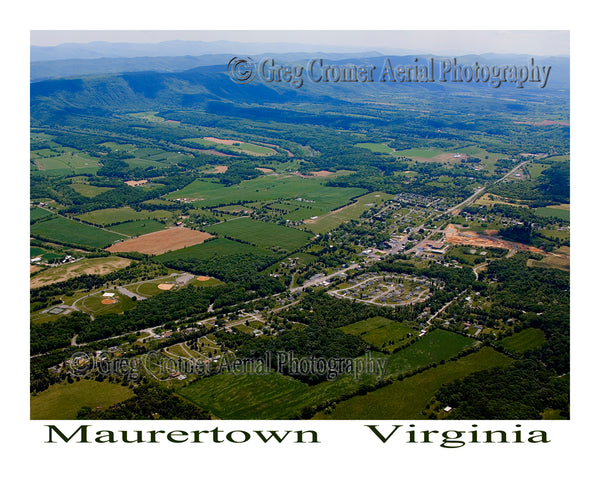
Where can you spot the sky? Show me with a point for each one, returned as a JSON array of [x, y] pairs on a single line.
[[457, 42]]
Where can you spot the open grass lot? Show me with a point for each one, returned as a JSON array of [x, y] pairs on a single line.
[[233, 146], [63, 161], [389, 336], [36, 213], [527, 339], [62, 401], [555, 211], [220, 247], [380, 332], [376, 147], [408, 398], [89, 266], [138, 227], [70, 232], [335, 218], [365, 326], [109, 216], [311, 190], [89, 190], [262, 234], [551, 261]]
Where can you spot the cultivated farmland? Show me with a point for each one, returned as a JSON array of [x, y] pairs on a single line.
[[262, 234], [161, 241], [408, 398], [70, 232]]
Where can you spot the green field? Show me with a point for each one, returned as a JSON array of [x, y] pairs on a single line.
[[220, 247], [89, 190], [110, 216], [94, 306], [238, 147], [528, 339], [433, 347], [376, 147], [62, 401], [407, 399], [262, 234], [138, 227], [563, 214], [63, 161], [312, 191], [275, 396], [270, 396], [70, 232], [334, 219], [380, 332], [36, 213], [421, 152]]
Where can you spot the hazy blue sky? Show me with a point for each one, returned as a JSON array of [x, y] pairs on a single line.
[[540, 42]]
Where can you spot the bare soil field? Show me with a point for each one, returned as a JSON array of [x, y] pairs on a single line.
[[161, 242], [545, 123], [221, 140], [265, 170], [136, 183], [221, 168], [467, 237], [88, 266]]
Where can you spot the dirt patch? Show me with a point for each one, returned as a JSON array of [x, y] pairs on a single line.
[[136, 183], [202, 278], [108, 301], [265, 170], [34, 268], [491, 232], [161, 242], [474, 239], [165, 286], [321, 173], [221, 168], [221, 140], [544, 123]]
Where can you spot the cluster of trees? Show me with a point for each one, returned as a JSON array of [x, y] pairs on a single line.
[[150, 402], [520, 391], [57, 334], [534, 297]]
